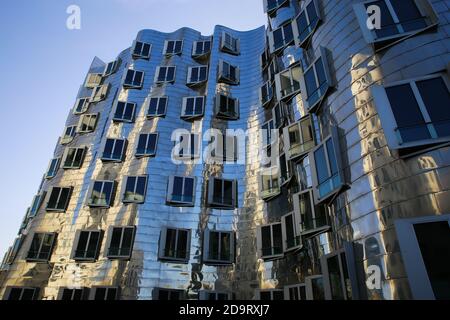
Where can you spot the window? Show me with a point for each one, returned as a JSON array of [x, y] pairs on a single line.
[[87, 123], [295, 292], [147, 145], [157, 107], [229, 44], [316, 82], [287, 82], [306, 22], [327, 173], [291, 229], [193, 107], [181, 191], [99, 93], [264, 59], [299, 138], [313, 218], [174, 245], [73, 158], [222, 193], [214, 295], [197, 75], [168, 294], [281, 37], [165, 74], [111, 68], [187, 147], [269, 295], [266, 93], [201, 48], [286, 169], [173, 47], [337, 282], [141, 50], [14, 250], [228, 73], [271, 6], [41, 247], [87, 245], [104, 293], [399, 19], [218, 247], [315, 288], [71, 294], [36, 204], [270, 183], [21, 293], [270, 241], [279, 115], [52, 168], [68, 135], [227, 107], [93, 80], [81, 106], [124, 112], [114, 150], [413, 112], [267, 131], [120, 242], [135, 189], [224, 147], [101, 194], [59, 199], [134, 79]]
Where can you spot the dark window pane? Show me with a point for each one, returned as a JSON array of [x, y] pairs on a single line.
[[92, 247], [82, 244], [28, 294], [277, 238], [127, 241], [266, 239], [278, 295], [138, 48], [170, 74], [100, 294], [112, 294], [321, 165], [170, 244], [214, 245], [182, 244], [408, 14], [188, 189], [35, 245], [334, 274], [114, 246]]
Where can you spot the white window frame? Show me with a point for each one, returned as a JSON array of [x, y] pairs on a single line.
[[127, 105], [317, 229], [184, 106], [132, 85], [109, 239], [304, 147], [140, 55], [111, 197], [111, 67], [206, 249], [65, 139], [221, 74], [222, 205], [58, 163], [280, 3], [204, 53], [124, 188], [234, 49], [91, 116], [163, 241], [269, 89], [85, 105], [170, 186], [273, 255], [188, 156], [273, 191], [77, 239], [162, 114], [158, 70], [54, 236], [303, 43], [36, 204], [174, 53], [271, 38], [99, 93], [66, 154], [223, 115], [93, 80], [122, 152], [189, 81], [142, 155], [66, 204], [281, 94], [297, 230]]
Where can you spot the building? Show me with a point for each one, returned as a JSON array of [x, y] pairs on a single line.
[[355, 206]]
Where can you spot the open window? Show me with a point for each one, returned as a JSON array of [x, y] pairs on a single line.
[[165, 74], [414, 113], [187, 147], [316, 81], [99, 93], [214, 295], [281, 37], [120, 242], [271, 6], [227, 107], [299, 138], [21, 293], [197, 75], [73, 158], [270, 183], [313, 218], [52, 169], [87, 245], [291, 230], [114, 150], [111, 68], [87, 123], [101, 194], [228, 73], [269, 240], [173, 47], [72, 294], [229, 44], [218, 247], [134, 189], [93, 80], [181, 191], [270, 294], [36, 204], [266, 93], [41, 247], [157, 107], [306, 23], [174, 245], [104, 293], [201, 49], [59, 199], [134, 79], [168, 294], [81, 106], [399, 20], [222, 193], [141, 50], [124, 112], [193, 107], [287, 82], [68, 134], [147, 145]]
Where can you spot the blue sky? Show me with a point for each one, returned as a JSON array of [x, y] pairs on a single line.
[[43, 64]]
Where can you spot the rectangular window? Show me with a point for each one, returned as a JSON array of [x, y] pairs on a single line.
[[111, 68], [227, 107], [291, 229], [165, 74], [187, 147], [225, 148], [87, 123], [59, 199], [68, 135], [270, 241], [197, 75], [267, 131], [157, 107], [41, 247], [229, 44], [21, 293], [99, 93], [73, 158], [174, 245], [295, 292], [222, 193], [124, 112], [287, 82], [141, 50], [101, 194], [120, 242], [286, 169], [81, 106], [181, 191], [270, 183], [114, 150], [214, 295], [87, 245], [316, 82], [299, 138], [228, 73], [266, 93], [168, 294], [12, 252], [280, 115], [264, 59], [281, 37], [201, 48], [313, 218], [36, 204], [71, 294], [147, 145], [193, 107], [306, 23], [93, 80], [270, 295], [133, 79], [270, 6], [218, 247], [173, 47], [104, 293], [52, 169], [135, 189]]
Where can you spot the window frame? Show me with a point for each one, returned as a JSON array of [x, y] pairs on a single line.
[[280, 94], [304, 43], [206, 248], [297, 230], [122, 153], [304, 146], [203, 295], [204, 53], [280, 3], [169, 198], [86, 101], [64, 159], [197, 147], [92, 83], [189, 81], [236, 43], [223, 115], [286, 43], [36, 204], [109, 201], [268, 85], [174, 53], [234, 194], [272, 192], [271, 291], [221, 76], [133, 85], [194, 116], [140, 55], [273, 255], [7, 293], [49, 194], [157, 115], [80, 122], [158, 71], [98, 246], [94, 289], [124, 189], [111, 70], [99, 93], [64, 139], [142, 155], [84, 293], [156, 293], [109, 239], [220, 154], [316, 229], [49, 255], [127, 105], [287, 295], [57, 161], [163, 242]]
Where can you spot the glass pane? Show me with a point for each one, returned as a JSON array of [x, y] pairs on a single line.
[[53, 198], [334, 274], [162, 105], [100, 294], [317, 289], [321, 165], [291, 240], [129, 188], [92, 246], [266, 240], [170, 244], [114, 246], [153, 105], [119, 110], [214, 245], [111, 294], [228, 192], [107, 152], [35, 245], [225, 240], [277, 239], [46, 247], [127, 242], [177, 192], [138, 48], [142, 143], [265, 296], [82, 244], [27, 294], [117, 155], [63, 199], [198, 106], [170, 73], [188, 190], [140, 189], [347, 282], [128, 115], [408, 14], [278, 295], [182, 244]]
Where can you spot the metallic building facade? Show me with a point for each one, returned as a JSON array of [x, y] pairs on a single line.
[[350, 226]]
